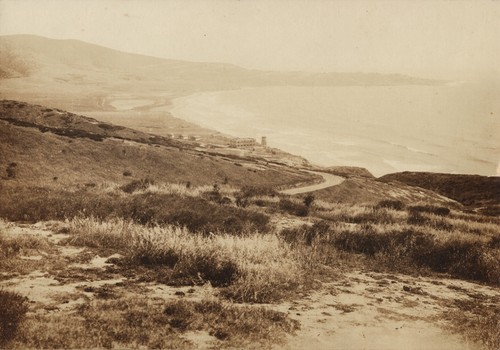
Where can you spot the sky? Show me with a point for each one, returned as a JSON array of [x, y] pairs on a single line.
[[427, 38]]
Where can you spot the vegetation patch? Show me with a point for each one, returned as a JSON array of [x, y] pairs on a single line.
[[144, 207], [476, 320], [136, 322], [460, 256], [255, 268], [13, 308]]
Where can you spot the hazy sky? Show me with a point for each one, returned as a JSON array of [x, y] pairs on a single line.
[[427, 38]]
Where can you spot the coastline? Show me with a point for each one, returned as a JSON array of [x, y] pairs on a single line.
[[339, 141]]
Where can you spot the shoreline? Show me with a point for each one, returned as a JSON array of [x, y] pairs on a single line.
[[368, 146]]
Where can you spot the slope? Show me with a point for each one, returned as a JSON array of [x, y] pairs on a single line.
[[369, 191], [40, 146], [474, 190]]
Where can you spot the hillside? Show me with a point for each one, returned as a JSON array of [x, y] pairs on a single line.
[[349, 171], [358, 190], [79, 76], [49, 147], [470, 190]]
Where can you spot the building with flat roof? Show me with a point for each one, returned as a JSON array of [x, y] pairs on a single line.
[[242, 143]]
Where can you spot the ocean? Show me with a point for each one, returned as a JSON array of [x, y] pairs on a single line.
[[453, 128]]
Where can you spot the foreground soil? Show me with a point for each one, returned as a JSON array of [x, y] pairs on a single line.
[[355, 309]]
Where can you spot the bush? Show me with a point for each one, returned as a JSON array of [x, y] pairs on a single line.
[[308, 200], [137, 185], [243, 197], [292, 208], [305, 234], [431, 209], [255, 191], [13, 308], [11, 170], [391, 204], [461, 257], [415, 218]]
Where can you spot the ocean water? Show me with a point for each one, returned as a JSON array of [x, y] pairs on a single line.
[[451, 128]]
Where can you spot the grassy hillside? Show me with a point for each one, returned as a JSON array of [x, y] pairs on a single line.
[[369, 191], [45, 147], [470, 190], [349, 171]]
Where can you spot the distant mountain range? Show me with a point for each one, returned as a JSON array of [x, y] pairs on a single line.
[[37, 69]]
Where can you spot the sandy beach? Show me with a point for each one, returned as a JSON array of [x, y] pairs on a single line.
[[373, 127]]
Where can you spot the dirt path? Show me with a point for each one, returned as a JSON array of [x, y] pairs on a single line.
[[329, 181], [380, 311]]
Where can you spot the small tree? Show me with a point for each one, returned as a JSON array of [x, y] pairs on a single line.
[[308, 200]]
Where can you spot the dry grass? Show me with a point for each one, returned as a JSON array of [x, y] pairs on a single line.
[[477, 320], [144, 207], [254, 268], [408, 241], [15, 247], [136, 322]]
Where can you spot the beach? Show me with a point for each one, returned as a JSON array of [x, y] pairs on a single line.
[[445, 128]]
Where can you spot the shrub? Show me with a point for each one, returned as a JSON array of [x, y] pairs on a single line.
[[13, 308], [242, 202], [308, 200], [292, 208], [469, 257], [11, 170], [137, 185], [255, 191], [440, 211], [476, 320], [305, 234], [391, 204], [462, 257], [243, 197], [215, 196], [416, 218]]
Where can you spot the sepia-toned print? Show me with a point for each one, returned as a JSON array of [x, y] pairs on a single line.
[[259, 174]]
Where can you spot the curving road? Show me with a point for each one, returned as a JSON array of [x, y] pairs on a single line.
[[329, 180]]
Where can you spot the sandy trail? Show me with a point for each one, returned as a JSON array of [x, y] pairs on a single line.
[[379, 311], [329, 180]]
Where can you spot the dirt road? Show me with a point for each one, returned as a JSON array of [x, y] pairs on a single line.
[[329, 180]]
